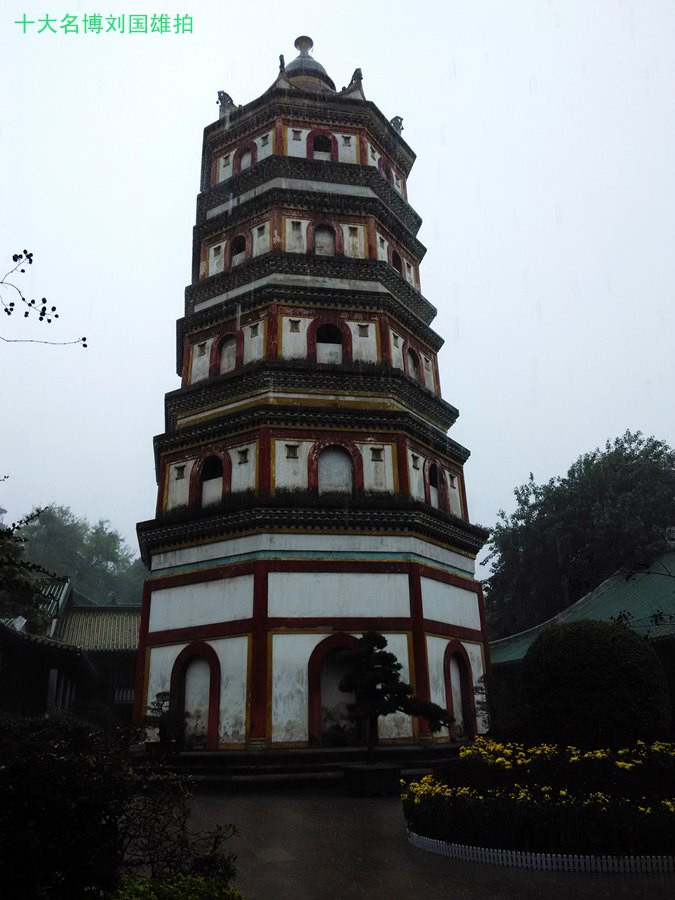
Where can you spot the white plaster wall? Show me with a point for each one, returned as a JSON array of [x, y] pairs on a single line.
[[329, 353], [178, 492], [159, 669], [265, 149], [354, 246], [416, 476], [290, 657], [199, 361], [295, 242], [332, 594], [197, 682], [243, 474], [212, 491], [435, 653], [450, 604], [377, 476], [294, 344], [216, 258], [453, 492], [364, 348], [396, 351], [382, 245], [203, 603], [232, 654], [300, 546], [291, 473], [397, 725], [261, 240], [296, 148], [475, 654], [254, 346], [428, 369], [225, 166], [347, 154]]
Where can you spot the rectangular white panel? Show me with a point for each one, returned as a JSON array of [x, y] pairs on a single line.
[[338, 594], [203, 603], [450, 604]]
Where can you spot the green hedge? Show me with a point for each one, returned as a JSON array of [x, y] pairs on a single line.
[[594, 684], [180, 887], [551, 799]]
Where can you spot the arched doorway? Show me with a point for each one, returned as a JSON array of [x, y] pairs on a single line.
[[459, 690], [195, 694], [328, 714]]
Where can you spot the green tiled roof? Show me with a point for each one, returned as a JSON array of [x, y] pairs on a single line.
[[641, 596], [101, 628]]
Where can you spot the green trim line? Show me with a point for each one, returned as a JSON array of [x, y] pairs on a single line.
[[330, 556]]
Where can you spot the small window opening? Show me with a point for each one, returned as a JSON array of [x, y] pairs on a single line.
[[373, 154], [180, 472], [415, 461], [376, 454], [382, 242], [297, 134], [396, 262], [296, 226], [427, 363], [242, 456], [294, 325], [329, 334], [346, 140], [413, 364], [261, 231], [254, 330], [201, 349], [353, 231], [264, 140], [363, 331], [217, 250], [225, 160], [291, 451], [322, 144], [212, 468], [396, 340]]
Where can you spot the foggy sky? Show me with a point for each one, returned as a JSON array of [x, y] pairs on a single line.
[[545, 140]]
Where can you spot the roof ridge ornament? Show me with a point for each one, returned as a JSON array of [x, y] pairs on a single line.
[[304, 44]]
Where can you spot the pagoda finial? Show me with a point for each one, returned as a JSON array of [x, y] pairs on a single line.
[[304, 44]]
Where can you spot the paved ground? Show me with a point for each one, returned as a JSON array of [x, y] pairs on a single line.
[[319, 845]]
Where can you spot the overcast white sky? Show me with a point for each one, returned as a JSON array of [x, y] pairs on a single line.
[[545, 141]]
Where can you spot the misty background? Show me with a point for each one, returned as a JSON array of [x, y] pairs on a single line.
[[545, 140]]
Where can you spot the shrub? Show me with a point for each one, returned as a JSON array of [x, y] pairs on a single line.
[[554, 799], [180, 887], [75, 814], [594, 683]]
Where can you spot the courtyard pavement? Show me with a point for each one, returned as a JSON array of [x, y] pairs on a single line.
[[316, 844]]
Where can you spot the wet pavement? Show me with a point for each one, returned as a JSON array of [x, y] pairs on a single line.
[[315, 844]]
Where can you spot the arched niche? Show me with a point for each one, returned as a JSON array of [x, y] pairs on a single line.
[[324, 670], [195, 691], [459, 693]]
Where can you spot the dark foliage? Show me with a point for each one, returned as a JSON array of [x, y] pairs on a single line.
[[375, 681], [94, 557], [594, 684], [75, 814], [609, 512], [19, 578]]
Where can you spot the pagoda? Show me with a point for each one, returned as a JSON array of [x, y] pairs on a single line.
[[308, 491]]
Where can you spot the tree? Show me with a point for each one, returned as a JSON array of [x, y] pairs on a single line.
[[19, 584], [594, 683], [94, 557], [39, 308], [609, 512], [375, 681]]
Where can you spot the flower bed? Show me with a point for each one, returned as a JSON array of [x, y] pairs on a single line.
[[551, 799]]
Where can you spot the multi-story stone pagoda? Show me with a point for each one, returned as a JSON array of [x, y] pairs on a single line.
[[308, 491]]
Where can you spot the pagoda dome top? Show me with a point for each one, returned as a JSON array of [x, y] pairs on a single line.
[[305, 71]]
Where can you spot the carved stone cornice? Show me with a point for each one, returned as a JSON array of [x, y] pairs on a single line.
[[319, 267], [298, 376], [315, 172], [383, 516]]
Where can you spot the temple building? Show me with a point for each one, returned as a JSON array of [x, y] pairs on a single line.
[[307, 489]]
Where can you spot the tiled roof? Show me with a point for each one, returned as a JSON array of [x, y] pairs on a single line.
[[642, 596], [101, 628]]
